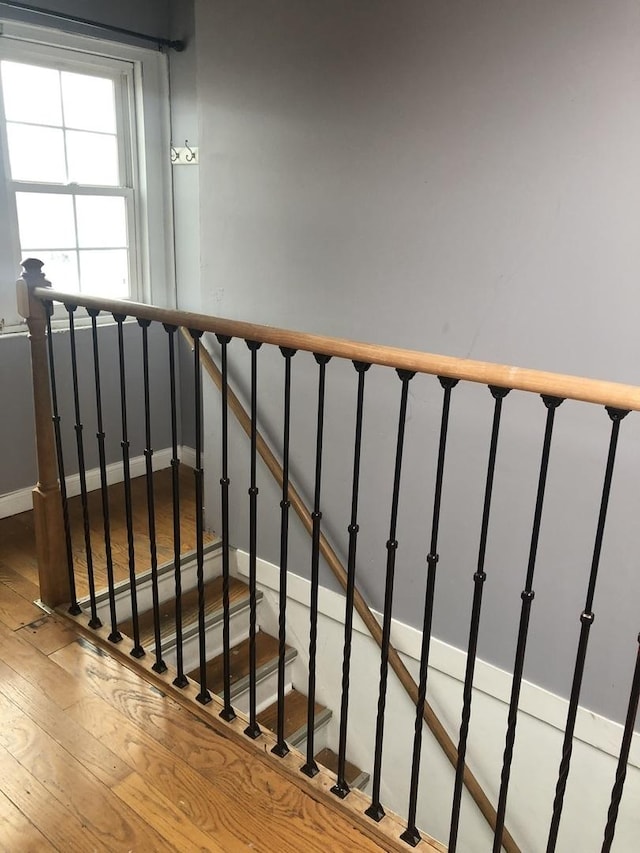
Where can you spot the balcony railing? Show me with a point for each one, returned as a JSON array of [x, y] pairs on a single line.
[[244, 342]]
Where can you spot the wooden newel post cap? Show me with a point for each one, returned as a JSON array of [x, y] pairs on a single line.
[[32, 276]]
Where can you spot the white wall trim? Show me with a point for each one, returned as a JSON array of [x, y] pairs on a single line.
[[592, 729], [21, 500]]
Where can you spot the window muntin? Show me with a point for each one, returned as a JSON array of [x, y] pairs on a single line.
[[70, 152]]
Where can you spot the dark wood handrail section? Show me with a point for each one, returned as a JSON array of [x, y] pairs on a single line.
[[565, 386]]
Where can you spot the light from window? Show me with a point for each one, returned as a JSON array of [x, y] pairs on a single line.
[[66, 159]]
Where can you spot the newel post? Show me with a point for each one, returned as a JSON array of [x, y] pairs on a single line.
[[47, 504]]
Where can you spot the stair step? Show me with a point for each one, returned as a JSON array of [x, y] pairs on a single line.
[[355, 777], [266, 664], [295, 717], [238, 595]]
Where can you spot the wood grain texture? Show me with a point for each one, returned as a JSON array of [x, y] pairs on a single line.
[[536, 381], [295, 713], [238, 591], [178, 831], [84, 660], [46, 634], [17, 832], [329, 759], [52, 818], [18, 563], [266, 652], [362, 608]]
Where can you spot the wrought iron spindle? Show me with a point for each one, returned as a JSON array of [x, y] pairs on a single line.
[[159, 665], [94, 622], [253, 729], [115, 636], [281, 749], [375, 810], [310, 767], [227, 712], [181, 679], [204, 697], [137, 651], [479, 579], [625, 748], [411, 834], [341, 788], [74, 607], [527, 597], [586, 621]]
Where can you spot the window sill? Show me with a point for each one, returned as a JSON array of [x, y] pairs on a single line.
[[61, 325]]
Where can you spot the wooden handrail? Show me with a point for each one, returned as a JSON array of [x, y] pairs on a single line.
[[568, 387], [431, 719]]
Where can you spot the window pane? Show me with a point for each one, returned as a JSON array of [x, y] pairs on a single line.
[[93, 158], [61, 268], [89, 102], [31, 93], [46, 220], [105, 273], [36, 153], [101, 222]]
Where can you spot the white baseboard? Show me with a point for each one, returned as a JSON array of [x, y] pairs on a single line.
[[13, 503], [592, 729]]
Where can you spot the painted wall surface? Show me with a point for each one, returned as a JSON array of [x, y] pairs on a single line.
[[145, 16], [186, 195], [16, 424], [459, 178], [538, 746]]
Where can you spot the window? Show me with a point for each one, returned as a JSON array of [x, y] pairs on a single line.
[[85, 177]]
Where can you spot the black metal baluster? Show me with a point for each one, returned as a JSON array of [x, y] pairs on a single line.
[[137, 651], [74, 607], [625, 748], [94, 622], [310, 767], [204, 697], [253, 729], [281, 748], [527, 596], [375, 810], [479, 579], [115, 636], [227, 712], [341, 788], [181, 679], [411, 834], [159, 665], [586, 619]]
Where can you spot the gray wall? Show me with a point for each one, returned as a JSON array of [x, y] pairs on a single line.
[[186, 194], [16, 421], [16, 424], [146, 16], [459, 178]]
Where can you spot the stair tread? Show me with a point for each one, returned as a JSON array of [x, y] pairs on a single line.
[[329, 759], [266, 652], [213, 603], [295, 714]]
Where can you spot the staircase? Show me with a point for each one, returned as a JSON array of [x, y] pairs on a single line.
[[295, 707]]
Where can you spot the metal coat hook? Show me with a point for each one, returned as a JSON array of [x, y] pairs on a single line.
[[175, 156], [190, 156]]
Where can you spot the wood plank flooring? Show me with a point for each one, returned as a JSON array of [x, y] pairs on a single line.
[[94, 758], [18, 569]]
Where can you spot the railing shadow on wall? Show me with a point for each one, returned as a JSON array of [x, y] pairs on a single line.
[[58, 588]]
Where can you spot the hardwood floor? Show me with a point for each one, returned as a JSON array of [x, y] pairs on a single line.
[[17, 532], [94, 758]]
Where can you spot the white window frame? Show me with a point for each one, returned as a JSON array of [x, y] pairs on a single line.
[[146, 122]]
